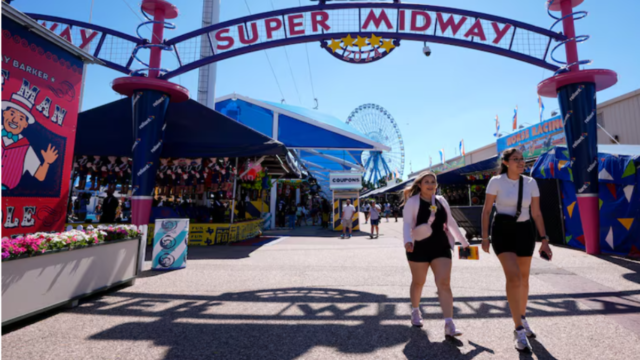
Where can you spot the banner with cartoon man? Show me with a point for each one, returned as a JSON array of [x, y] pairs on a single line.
[[40, 96]]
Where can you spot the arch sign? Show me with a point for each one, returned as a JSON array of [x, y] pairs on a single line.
[[353, 32]]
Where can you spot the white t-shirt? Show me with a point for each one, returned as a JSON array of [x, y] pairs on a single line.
[[367, 208], [348, 211], [375, 212], [506, 191], [387, 207]]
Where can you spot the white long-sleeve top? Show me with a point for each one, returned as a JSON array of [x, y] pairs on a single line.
[[410, 217]]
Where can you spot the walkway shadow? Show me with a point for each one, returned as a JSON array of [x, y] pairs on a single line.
[[420, 347], [627, 263], [212, 252]]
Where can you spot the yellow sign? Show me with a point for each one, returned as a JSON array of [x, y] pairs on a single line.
[[216, 234]]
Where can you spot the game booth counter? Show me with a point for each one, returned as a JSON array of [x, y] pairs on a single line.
[[618, 197], [209, 164], [43, 268]]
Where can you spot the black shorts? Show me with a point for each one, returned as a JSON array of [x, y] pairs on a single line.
[[518, 238], [375, 222], [427, 250]]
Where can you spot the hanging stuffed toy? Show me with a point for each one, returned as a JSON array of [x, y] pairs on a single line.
[[83, 171], [96, 173], [124, 174], [198, 172], [112, 173], [162, 176]]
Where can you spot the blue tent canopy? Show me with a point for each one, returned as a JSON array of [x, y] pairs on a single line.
[[193, 131], [619, 196], [456, 176], [296, 127]]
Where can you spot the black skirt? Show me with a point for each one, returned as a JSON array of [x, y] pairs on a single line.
[[431, 248], [514, 237]]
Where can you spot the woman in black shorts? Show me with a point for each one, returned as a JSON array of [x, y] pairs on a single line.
[[513, 235], [429, 235]]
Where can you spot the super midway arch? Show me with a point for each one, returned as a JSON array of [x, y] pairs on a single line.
[[354, 32]]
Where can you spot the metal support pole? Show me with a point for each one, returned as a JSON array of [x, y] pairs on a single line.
[[233, 203]]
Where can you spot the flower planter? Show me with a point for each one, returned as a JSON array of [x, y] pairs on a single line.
[[31, 285]]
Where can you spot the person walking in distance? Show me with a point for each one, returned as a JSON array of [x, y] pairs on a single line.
[[430, 233], [367, 209], [347, 218], [513, 235], [387, 210], [375, 218]]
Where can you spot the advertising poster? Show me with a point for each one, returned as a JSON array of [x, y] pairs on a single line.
[[535, 140], [40, 98], [170, 240]]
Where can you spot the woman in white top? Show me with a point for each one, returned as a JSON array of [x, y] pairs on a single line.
[[514, 239], [430, 233]]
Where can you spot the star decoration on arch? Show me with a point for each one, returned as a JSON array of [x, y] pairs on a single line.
[[361, 42], [348, 41], [387, 45], [375, 40], [335, 45]]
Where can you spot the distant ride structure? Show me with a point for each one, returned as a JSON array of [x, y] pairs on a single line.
[[378, 124]]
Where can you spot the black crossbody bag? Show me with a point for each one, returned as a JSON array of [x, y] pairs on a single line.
[[508, 219]]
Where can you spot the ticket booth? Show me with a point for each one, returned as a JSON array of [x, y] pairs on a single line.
[[345, 186]]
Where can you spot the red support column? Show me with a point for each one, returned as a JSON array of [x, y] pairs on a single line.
[[568, 26]]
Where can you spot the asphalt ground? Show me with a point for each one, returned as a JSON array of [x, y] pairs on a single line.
[[329, 298]]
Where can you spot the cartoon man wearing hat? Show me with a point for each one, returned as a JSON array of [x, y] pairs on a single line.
[[18, 157]]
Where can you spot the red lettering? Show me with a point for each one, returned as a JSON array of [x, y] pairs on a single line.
[[243, 36], [376, 53], [293, 25], [66, 34], [347, 53], [52, 28], [500, 33], [86, 40], [450, 23], [368, 56], [546, 127], [272, 25], [534, 131], [414, 21], [377, 20], [402, 17], [357, 56], [319, 18], [221, 37], [476, 30]]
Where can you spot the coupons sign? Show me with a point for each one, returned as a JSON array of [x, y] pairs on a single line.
[[40, 95], [341, 181]]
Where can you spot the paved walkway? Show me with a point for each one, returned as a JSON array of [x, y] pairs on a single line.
[[327, 298]]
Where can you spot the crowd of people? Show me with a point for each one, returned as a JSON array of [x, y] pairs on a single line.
[[290, 214]]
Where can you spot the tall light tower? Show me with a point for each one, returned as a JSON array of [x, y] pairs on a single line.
[[207, 74]]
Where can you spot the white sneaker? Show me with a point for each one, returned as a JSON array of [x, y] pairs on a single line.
[[528, 329], [520, 340], [416, 318], [450, 329]]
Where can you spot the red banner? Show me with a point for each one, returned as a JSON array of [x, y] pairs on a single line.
[[40, 97]]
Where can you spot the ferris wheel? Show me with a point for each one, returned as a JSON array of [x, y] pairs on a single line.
[[377, 124]]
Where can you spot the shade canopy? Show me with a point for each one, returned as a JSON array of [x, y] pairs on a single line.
[[193, 131], [457, 176]]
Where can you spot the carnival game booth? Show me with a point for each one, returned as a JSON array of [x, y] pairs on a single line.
[[619, 196], [209, 165]]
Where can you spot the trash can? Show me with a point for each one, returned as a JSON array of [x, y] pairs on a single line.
[[170, 244]]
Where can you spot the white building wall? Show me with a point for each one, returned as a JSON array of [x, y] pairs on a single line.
[[621, 118]]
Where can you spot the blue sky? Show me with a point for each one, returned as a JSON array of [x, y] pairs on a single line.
[[452, 95]]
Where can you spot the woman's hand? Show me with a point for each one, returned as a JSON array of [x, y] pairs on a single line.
[[408, 247], [546, 248], [486, 245]]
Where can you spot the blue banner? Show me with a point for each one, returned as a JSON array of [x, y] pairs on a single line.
[[149, 109], [535, 140], [578, 106]]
